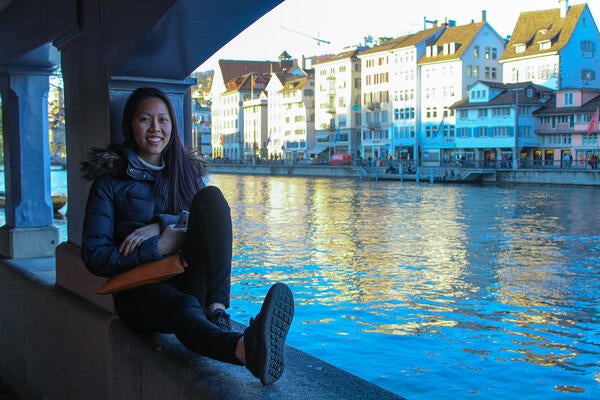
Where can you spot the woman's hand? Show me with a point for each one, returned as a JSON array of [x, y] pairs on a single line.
[[135, 238], [171, 240]]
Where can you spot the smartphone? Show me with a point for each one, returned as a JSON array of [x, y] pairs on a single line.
[[182, 221]]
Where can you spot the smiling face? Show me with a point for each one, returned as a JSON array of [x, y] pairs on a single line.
[[151, 125]]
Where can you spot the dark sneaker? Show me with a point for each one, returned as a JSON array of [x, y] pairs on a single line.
[[264, 339], [220, 318]]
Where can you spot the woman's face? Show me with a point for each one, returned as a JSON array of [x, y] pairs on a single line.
[[151, 126]]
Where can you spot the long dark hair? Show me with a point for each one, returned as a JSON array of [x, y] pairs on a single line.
[[179, 180]]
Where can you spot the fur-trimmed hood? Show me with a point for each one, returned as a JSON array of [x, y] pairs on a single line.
[[114, 161]]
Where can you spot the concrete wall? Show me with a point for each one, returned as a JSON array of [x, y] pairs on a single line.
[[56, 345], [578, 177], [570, 177]]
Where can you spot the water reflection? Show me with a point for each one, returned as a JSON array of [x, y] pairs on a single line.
[[426, 284]]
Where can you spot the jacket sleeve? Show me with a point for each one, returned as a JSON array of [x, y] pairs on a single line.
[[100, 252], [166, 219]]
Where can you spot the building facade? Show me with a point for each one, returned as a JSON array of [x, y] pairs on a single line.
[[337, 105], [544, 45], [201, 128], [255, 128], [233, 83], [455, 61], [291, 112], [567, 134], [405, 81], [496, 125]]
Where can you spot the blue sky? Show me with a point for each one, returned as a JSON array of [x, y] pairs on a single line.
[[347, 22]]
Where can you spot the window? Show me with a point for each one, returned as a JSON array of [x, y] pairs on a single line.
[[469, 71], [520, 48], [494, 53], [588, 47], [494, 74], [588, 75], [475, 71], [545, 45], [568, 99], [487, 72], [488, 53], [476, 51]]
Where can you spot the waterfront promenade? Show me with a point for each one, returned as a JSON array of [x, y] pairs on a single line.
[[530, 174]]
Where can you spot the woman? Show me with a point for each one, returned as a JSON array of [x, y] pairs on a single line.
[[139, 190]]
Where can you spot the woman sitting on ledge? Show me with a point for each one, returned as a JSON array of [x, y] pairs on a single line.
[[139, 190]]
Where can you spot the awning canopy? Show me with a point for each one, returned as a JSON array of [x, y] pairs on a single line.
[[318, 150]]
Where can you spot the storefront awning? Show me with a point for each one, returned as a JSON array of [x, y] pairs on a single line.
[[318, 150]]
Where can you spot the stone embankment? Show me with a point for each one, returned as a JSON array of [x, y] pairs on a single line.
[[548, 176]]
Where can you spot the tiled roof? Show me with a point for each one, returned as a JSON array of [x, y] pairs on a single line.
[[551, 109], [404, 41], [461, 35], [390, 44], [416, 38], [231, 69], [507, 97], [295, 84], [534, 27], [244, 82], [336, 57]]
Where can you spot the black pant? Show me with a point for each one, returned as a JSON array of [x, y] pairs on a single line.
[[179, 305]]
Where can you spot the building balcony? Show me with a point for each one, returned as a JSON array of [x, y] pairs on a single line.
[[373, 106]]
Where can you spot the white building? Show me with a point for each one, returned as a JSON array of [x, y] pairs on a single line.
[[255, 127], [337, 105], [545, 44], [376, 127], [458, 58], [291, 114], [233, 83], [405, 81]]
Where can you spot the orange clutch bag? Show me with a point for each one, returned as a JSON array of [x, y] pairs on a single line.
[[145, 274]]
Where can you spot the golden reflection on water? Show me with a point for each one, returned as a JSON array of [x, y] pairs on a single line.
[[405, 261], [364, 249]]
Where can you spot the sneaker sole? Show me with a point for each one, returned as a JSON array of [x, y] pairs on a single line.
[[278, 310]]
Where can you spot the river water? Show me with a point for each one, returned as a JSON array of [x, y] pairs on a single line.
[[430, 291]]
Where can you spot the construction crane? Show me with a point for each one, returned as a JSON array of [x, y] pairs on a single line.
[[319, 40]]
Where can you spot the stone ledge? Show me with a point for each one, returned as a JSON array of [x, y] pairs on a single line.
[[72, 275], [55, 344]]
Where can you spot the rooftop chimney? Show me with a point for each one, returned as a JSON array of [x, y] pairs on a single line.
[[483, 16], [564, 7]]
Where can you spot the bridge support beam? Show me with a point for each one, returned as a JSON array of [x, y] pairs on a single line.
[[29, 230]]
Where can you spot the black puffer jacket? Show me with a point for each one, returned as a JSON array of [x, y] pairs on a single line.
[[121, 200]]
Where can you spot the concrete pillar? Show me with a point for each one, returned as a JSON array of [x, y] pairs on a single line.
[[29, 230]]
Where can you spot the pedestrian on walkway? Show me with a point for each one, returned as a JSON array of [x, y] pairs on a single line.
[[139, 189]]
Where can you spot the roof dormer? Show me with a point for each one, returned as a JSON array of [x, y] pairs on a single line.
[[545, 44], [450, 48]]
